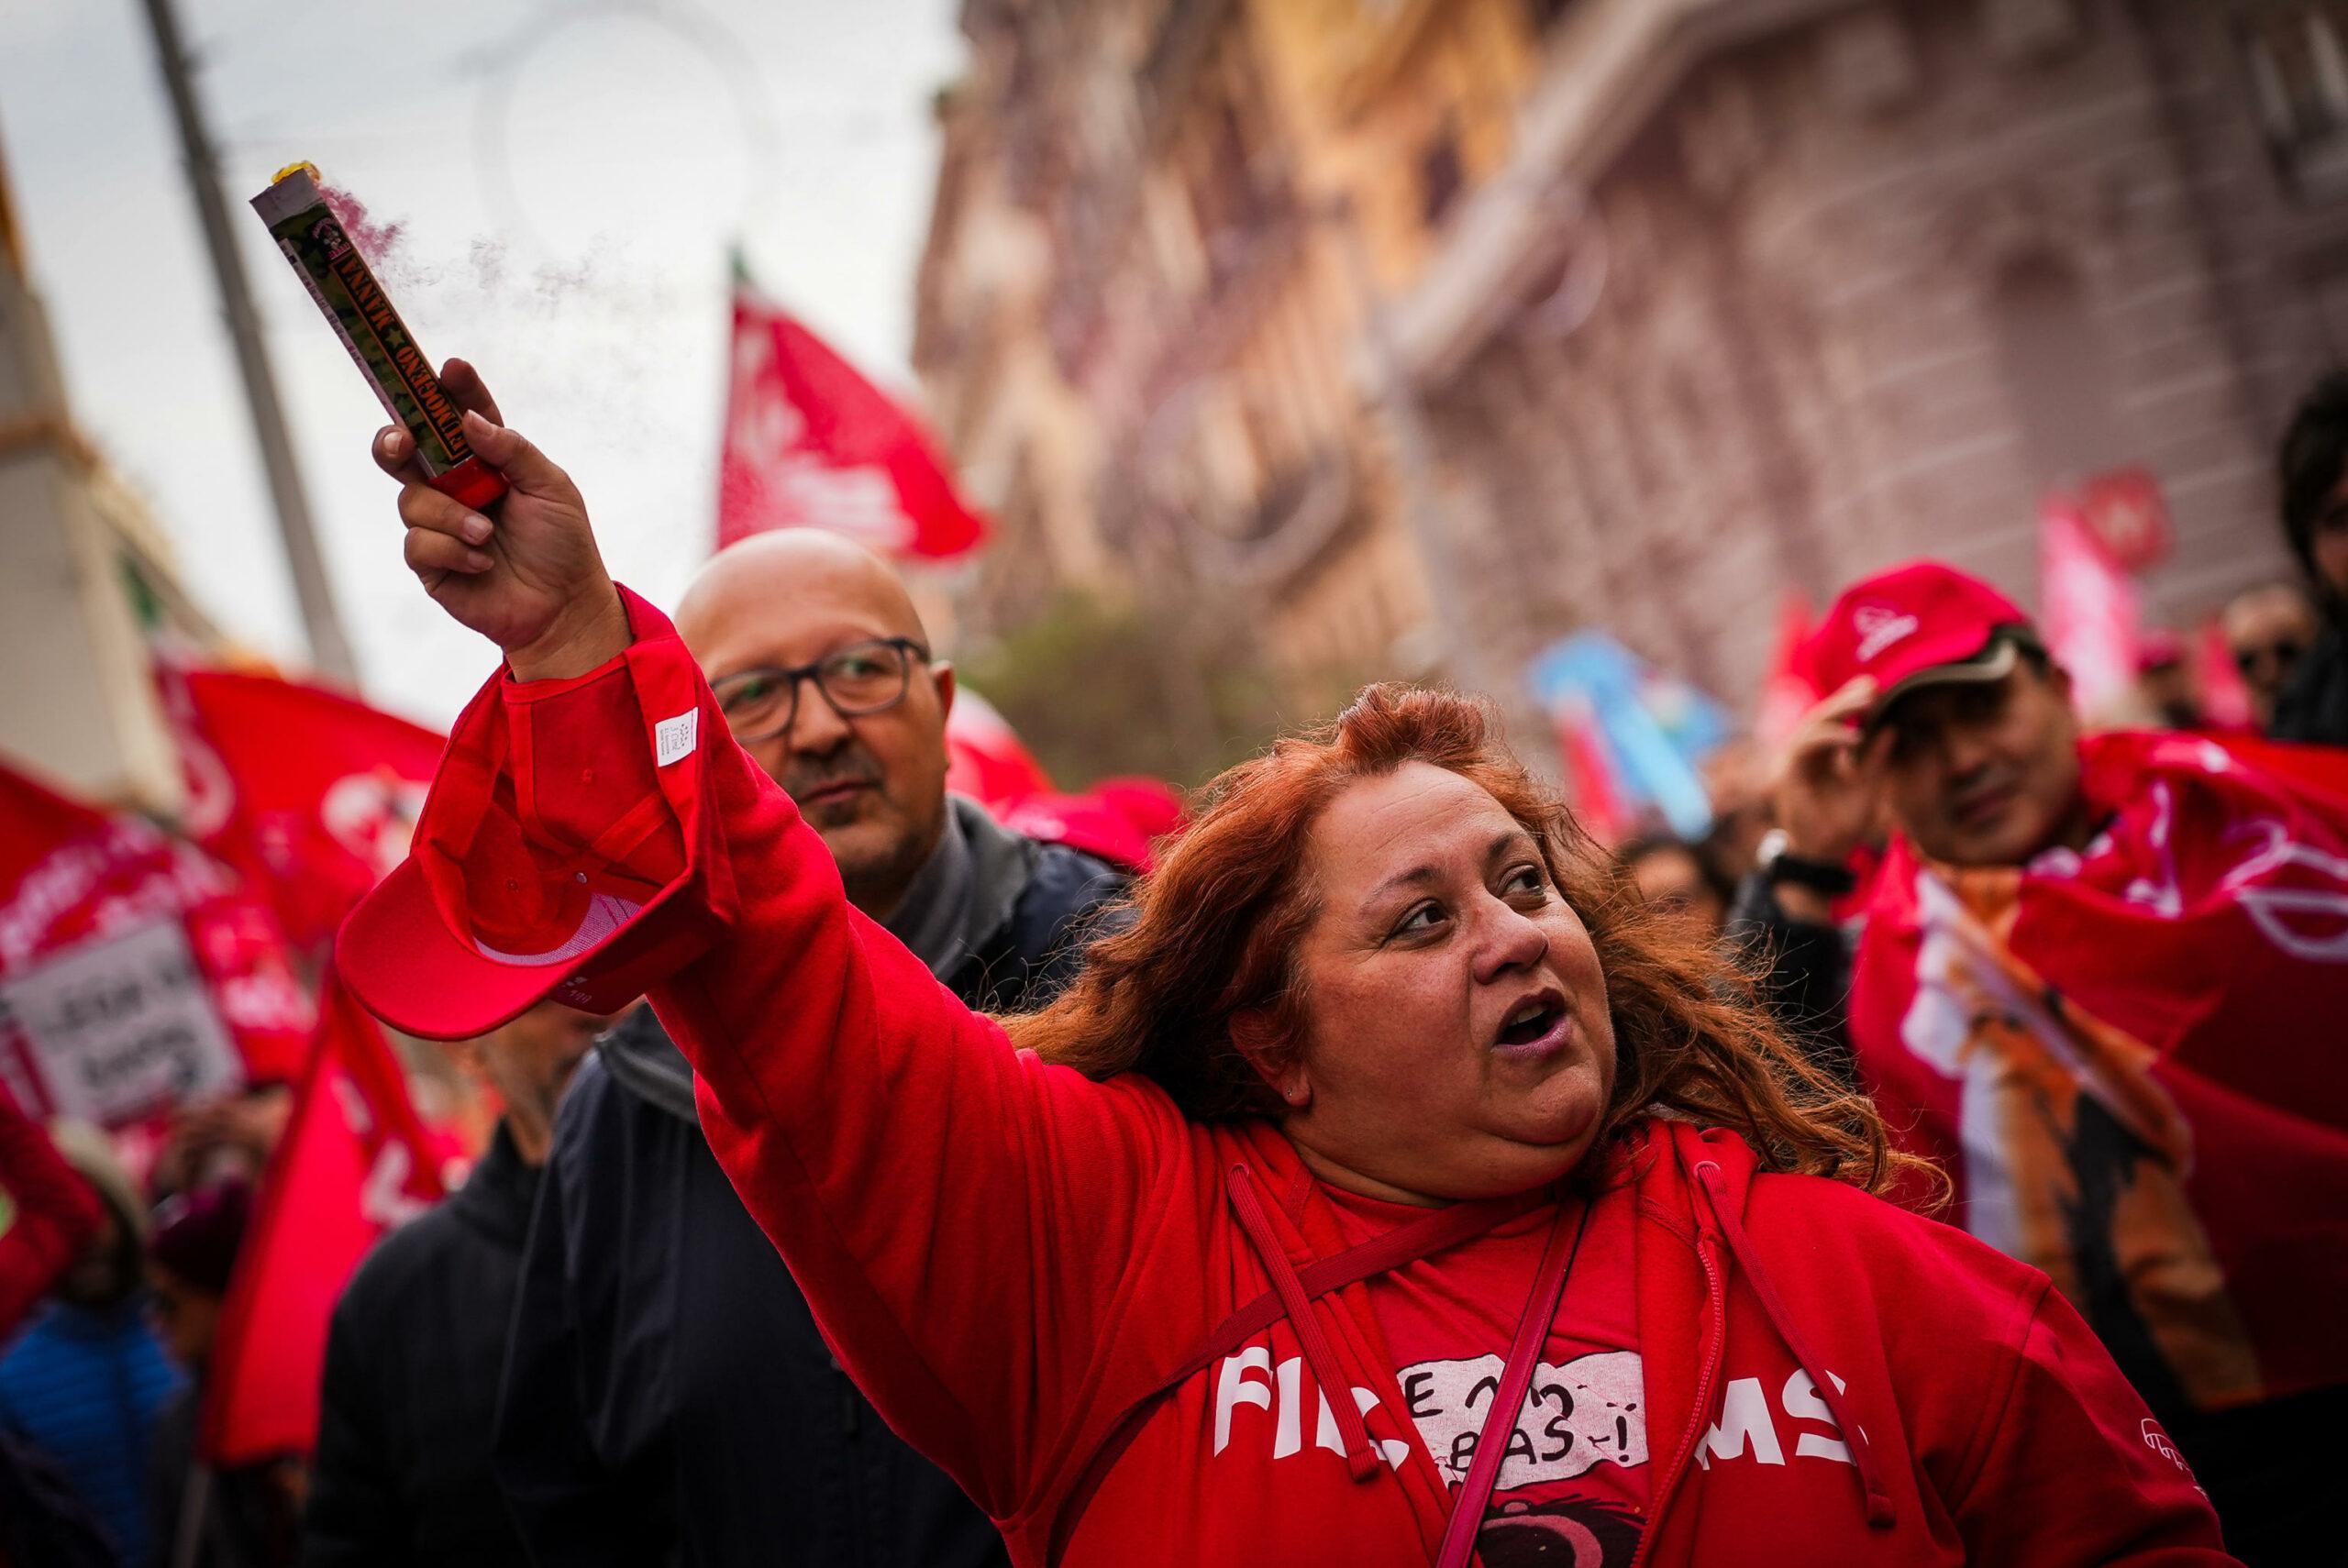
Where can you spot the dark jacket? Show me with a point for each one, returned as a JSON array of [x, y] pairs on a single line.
[[243, 1516], [667, 1396], [2313, 709], [42, 1520], [84, 1388], [413, 1358], [1805, 972]]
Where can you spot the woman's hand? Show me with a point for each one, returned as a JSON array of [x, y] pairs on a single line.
[[531, 580]]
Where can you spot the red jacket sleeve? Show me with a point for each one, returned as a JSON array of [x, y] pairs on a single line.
[[2071, 1467], [56, 1213], [963, 1219]]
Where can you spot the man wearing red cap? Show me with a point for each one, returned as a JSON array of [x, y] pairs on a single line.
[[2101, 978]]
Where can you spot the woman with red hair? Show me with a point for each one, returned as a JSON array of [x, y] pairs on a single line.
[[1390, 1189]]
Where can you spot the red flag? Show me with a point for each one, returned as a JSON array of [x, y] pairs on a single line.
[[1081, 822], [310, 793], [985, 758], [2129, 516], [809, 442], [2125, 1054], [1155, 808], [135, 971], [355, 1161], [2091, 620], [1589, 773], [1788, 692]]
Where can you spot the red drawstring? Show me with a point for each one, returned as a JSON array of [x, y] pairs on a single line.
[[1863, 1459], [1336, 1389], [1508, 1400]]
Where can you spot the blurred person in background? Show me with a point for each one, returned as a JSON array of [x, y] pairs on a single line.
[[245, 1516], [2269, 630], [228, 1136], [1673, 875], [2100, 980], [87, 1382], [2165, 689], [1736, 780], [2313, 706], [417, 1345], [662, 1356], [47, 1215]]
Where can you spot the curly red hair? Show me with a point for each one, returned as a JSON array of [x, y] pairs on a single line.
[[1210, 934]]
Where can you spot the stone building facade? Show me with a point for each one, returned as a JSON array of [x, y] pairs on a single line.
[[1875, 281], [1158, 228], [1432, 329]]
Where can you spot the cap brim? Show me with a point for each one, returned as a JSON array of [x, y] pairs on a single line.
[[409, 969], [1993, 663]]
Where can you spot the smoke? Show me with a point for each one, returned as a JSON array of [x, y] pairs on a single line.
[[379, 242], [543, 322]]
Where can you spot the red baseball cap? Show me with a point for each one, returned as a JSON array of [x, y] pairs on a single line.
[[487, 916], [1923, 624]]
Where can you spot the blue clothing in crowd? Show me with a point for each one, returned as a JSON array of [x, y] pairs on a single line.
[[85, 1388]]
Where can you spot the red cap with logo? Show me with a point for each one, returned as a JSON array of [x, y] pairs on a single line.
[[1918, 624], [486, 918]]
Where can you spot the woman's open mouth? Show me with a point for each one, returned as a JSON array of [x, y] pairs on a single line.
[[1535, 1026]]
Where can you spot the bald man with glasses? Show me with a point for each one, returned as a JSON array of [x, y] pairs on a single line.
[[667, 1397]]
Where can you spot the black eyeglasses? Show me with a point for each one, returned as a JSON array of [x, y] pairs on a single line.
[[860, 678]]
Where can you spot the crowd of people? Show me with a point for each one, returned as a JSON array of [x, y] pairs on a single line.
[[1942, 1162]]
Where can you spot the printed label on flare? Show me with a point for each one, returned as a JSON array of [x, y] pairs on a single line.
[[354, 303]]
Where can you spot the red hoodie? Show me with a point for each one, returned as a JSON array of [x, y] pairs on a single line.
[[1112, 1325]]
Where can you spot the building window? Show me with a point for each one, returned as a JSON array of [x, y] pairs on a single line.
[[2297, 54], [1440, 174]]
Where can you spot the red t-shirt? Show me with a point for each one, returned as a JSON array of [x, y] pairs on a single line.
[[1576, 1483]]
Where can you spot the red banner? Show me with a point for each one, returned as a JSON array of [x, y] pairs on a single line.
[[135, 971], [985, 758], [1788, 692], [2106, 1050], [2129, 516], [2091, 623], [810, 443], [310, 794], [1590, 774], [1118, 820], [355, 1162]]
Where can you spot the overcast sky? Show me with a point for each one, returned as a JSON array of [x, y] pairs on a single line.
[[567, 175]]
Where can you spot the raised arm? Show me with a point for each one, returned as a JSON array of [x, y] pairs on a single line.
[[948, 1205]]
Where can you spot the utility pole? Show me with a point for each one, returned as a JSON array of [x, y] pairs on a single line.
[[329, 649]]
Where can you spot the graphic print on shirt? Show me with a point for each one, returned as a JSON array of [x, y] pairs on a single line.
[[1589, 1413], [1576, 1477]]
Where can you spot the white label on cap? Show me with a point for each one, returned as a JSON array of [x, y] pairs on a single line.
[[674, 739], [1879, 627]]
